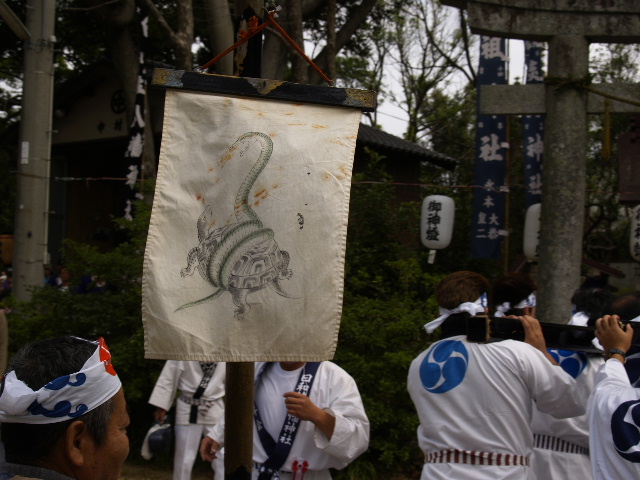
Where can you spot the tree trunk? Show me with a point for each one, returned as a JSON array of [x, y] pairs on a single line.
[[357, 17], [275, 54], [116, 21], [294, 22], [220, 25], [331, 39], [184, 36]]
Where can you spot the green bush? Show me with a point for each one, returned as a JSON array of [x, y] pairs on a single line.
[[114, 314], [386, 302], [387, 299]]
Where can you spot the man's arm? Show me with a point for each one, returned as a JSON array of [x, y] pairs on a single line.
[[164, 391], [160, 414], [302, 407], [209, 449], [614, 336], [534, 337]]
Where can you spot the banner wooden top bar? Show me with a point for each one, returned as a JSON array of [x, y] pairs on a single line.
[[364, 100]]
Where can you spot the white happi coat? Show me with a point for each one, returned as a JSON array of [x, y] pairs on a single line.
[[560, 444], [477, 397], [185, 376], [335, 391], [614, 423]]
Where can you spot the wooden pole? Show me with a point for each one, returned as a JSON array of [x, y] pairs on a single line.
[[238, 460], [238, 415], [32, 195]]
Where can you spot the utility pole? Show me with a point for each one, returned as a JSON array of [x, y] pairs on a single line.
[[32, 200]]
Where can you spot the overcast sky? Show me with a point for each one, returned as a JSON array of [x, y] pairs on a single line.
[[393, 119]]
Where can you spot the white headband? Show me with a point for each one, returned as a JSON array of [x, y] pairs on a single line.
[[470, 307], [65, 397], [503, 308], [580, 319]]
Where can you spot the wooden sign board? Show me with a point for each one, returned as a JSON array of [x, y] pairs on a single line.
[[364, 100]]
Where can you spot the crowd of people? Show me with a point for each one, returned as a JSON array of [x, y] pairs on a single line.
[[61, 278], [496, 410], [512, 409]]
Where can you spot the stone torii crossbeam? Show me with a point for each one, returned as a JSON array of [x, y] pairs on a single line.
[[569, 26]]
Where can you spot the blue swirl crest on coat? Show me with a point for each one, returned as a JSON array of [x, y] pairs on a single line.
[[625, 431], [444, 367], [571, 362]]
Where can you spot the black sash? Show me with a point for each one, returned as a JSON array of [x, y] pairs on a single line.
[[279, 451], [208, 368]]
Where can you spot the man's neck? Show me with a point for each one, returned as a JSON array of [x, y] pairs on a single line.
[[291, 366], [30, 471]]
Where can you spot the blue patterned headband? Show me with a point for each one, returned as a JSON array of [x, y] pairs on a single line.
[[65, 397]]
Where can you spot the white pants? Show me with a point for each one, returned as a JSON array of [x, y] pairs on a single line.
[[187, 446]]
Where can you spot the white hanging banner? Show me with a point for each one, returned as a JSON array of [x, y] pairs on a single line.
[[245, 254]]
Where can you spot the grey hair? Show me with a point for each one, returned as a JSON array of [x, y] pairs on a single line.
[[36, 364]]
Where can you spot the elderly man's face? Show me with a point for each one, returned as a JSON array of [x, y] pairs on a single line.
[[108, 458]]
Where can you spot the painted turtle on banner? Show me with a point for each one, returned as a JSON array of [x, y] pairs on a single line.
[[262, 266], [242, 257]]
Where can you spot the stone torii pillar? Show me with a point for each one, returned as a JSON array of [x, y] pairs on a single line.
[[569, 27]]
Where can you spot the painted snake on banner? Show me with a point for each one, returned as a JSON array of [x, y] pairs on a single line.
[[242, 257]]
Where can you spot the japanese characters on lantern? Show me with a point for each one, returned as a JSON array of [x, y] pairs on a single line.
[[436, 226]]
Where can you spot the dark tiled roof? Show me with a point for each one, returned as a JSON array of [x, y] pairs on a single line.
[[383, 141]]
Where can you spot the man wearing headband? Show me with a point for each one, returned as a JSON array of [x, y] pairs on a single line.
[[613, 408], [198, 408], [308, 418], [590, 304], [63, 413], [561, 446], [474, 401], [514, 294], [627, 307]]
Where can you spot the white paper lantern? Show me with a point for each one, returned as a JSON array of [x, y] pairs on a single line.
[[635, 233], [532, 232], [436, 224]]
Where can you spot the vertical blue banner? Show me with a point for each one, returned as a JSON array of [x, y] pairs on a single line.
[[533, 129], [491, 156]]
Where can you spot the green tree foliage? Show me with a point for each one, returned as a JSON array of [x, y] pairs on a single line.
[[8, 154], [114, 314], [450, 119], [606, 223], [387, 299], [426, 51], [386, 302]]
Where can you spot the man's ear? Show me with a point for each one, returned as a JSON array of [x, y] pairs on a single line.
[[77, 443]]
